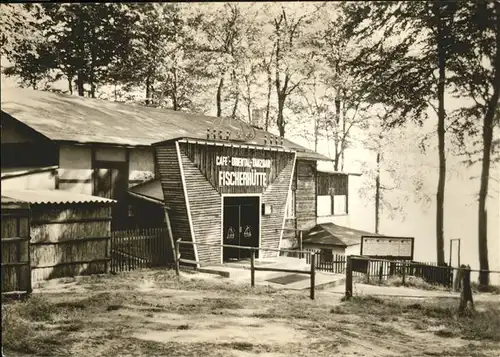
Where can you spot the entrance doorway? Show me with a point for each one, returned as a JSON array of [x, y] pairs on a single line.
[[241, 226]]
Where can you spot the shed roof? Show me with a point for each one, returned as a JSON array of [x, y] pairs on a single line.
[[332, 234], [150, 189], [53, 197], [8, 172], [62, 117]]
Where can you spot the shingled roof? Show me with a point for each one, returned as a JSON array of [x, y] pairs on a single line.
[[62, 117], [332, 234]]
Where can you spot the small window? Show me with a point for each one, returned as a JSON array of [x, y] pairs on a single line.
[[339, 204], [290, 204], [324, 205]]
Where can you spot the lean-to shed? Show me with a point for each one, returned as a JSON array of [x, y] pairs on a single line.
[[70, 233]]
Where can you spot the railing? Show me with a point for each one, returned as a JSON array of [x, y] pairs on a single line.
[[140, 248], [253, 268]]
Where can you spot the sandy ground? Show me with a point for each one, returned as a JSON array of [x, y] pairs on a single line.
[[150, 313]]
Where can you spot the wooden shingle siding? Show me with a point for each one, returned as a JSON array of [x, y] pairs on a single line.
[[305, 211], [171, 182], [276, 196], [205, 206]]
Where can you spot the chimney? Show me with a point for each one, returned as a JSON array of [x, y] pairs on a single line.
[[257, 118]]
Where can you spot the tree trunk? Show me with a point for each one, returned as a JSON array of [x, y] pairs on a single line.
[[70, 84], [148, 90], [269, 91], [92, 89], [235, 107], [79, 83], [281, 120], [377, 191], [316, 134], [485, 170], [174, 91], [219, 96], [441, 145], [338, 148]]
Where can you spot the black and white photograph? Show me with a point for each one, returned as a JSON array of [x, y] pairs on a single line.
[[240, 179]]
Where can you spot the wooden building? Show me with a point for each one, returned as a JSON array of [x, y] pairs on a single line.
[[216, 175], [68, 233], [330, 239]]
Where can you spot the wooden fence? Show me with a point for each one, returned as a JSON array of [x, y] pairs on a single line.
[[336, 265], [379, 270], [141, 248], [16, 270], [69, 240]]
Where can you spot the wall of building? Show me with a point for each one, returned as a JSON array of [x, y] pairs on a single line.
[[171, 181], [202, 200], [353, 249], [37, 181], [12, 134], [342, 220], [318, 247], [75, 169], [305, 211]]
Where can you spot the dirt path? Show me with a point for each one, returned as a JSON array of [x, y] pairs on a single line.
[[151, 314]]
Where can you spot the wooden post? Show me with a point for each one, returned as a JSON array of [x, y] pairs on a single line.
[[404, 273], [368, 272], [252, 268], [313, 273], [300, 244], [348, 278], [451, 249], [177, 257], [466, 294], [170, 235]]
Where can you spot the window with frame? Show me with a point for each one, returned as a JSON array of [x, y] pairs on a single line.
[[290, 204], [332, 194]]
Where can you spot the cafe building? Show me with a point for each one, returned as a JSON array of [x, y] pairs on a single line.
[[215, 180]]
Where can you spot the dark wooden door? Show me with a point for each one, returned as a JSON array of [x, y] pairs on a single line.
[[241, 226], [231, 231], [112, 182], [249, 225]]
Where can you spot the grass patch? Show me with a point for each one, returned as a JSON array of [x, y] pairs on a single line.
[[483, 324], [411, 282], [492, 289]]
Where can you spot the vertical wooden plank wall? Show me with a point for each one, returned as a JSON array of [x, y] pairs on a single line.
[[276, 196], [205, 204], [69, 240], [305, 211], [173, 191], [16, 274]]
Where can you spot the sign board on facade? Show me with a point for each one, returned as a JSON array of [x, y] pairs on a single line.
[[242, 178], [387, 247]]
